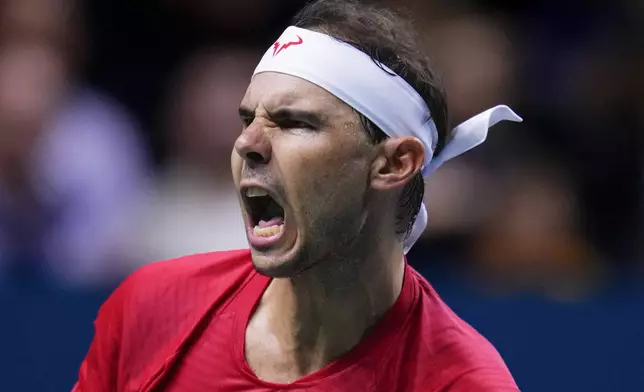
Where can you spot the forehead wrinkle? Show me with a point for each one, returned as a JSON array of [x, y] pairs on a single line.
[[274, 91], [299, 101]]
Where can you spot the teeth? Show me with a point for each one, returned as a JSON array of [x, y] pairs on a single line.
[[267, 231], [256, 192]]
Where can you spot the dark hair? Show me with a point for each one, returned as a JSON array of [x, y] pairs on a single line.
[[389, 39]]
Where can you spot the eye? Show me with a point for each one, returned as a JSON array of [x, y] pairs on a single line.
[[294, 124], [246, 120]]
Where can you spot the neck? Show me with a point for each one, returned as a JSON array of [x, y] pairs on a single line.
[[324, 312]]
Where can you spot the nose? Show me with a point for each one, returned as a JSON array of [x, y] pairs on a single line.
[[253, 145]]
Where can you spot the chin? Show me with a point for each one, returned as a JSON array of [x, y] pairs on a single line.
[[275, 266], [282, 262]]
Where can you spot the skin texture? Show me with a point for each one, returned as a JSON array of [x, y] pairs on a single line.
[[339, 264]]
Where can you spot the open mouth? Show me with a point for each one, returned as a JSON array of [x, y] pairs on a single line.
[[266, 215]]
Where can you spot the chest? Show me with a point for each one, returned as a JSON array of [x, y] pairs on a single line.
[[209, 363], [224, 358]]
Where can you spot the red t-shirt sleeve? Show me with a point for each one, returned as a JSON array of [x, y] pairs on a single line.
[[99, 369], [484, 380], [147, 317]]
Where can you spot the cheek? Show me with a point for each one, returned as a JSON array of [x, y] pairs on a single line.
[[322, 177], [321, 154]]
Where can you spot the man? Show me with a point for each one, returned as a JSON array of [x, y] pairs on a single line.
[[324, 300]]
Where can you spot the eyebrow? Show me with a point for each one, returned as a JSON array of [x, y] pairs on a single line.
[[282, 114]]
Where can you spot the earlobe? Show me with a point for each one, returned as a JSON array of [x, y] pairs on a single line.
[[397, 163]]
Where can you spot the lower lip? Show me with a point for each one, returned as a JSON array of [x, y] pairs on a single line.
[[258, 242]]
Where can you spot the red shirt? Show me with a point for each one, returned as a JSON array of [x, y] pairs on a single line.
[[179, 325]]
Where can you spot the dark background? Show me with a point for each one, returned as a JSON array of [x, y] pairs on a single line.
[[535, 238]]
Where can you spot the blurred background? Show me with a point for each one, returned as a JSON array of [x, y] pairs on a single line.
[[117, 119]]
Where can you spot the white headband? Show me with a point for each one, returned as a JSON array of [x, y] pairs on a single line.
[[379, 94]]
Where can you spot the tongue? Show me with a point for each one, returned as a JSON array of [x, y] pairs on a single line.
[[273, 222]]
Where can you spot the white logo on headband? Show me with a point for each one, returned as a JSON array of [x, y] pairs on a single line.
[[383, 97]]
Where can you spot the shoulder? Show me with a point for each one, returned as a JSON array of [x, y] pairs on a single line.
[[219, 266], [195, 279], [463, 357], [153, 311]]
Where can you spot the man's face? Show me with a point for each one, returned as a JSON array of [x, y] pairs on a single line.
[[305, 149]]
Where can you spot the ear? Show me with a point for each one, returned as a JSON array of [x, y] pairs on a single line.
[[397, 162]]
